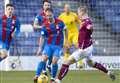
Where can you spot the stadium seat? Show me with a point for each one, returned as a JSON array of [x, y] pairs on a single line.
[[1, 8], [116, 26], [26, 10]]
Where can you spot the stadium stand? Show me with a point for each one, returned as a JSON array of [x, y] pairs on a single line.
[[27, 9], [1, 7], [110, 10], [105, 42]]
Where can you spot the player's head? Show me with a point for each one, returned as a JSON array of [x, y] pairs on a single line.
[[82, 11], [49, 14], [46, 4], [67, 8], [9, 9]]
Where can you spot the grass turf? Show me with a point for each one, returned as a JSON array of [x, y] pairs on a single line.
[[72, 77]]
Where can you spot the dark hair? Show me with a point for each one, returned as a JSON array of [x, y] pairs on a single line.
[[49, 9], [11, 5], [46, 1]]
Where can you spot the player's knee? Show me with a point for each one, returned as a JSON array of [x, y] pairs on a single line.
[[44, 58], [54, 60]]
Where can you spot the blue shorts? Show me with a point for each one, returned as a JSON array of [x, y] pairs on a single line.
[[52, 50]]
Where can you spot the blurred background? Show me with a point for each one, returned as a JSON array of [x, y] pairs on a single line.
[[105, 15]]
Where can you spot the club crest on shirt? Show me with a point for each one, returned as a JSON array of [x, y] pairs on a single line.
[[4, 20]]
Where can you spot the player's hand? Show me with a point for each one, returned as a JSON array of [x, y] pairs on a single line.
[[39, 52], [66, 44], [13, 34]]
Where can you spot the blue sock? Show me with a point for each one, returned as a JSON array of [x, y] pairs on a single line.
[[49, 62], [54, 70], [40, 67], [49, 65], [1, 59], [44, 68]]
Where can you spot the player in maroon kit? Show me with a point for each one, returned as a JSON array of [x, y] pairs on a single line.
[[85, 48]]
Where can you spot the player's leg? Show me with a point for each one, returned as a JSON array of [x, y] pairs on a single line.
[[49, 59], [49, 64], [67, 50], [75, 42], [56, 55], [54, 68], [42, 64], [40, 67], [88, 53], [65, 67], [96, 65], [100, 67]]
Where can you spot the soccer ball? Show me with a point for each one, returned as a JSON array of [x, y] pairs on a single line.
[[42, 79]]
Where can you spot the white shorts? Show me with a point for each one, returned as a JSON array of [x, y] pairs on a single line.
[[80, 54]]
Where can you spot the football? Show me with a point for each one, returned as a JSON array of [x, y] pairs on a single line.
[[42, 79]]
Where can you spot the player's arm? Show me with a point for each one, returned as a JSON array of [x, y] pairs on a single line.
[[38, 22], [17, 28], [41, 43], [90, 27], [77, 20]]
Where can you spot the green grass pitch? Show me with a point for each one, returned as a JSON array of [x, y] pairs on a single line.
[[72, 77]]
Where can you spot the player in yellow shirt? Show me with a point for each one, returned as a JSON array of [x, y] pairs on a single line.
[[71, 21]]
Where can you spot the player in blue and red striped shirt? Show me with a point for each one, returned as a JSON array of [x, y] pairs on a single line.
[[53, 31], [9, 26], [38, 24]]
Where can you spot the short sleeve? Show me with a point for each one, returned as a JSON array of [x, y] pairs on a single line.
[[43, 31], [38, 19], [88, 23], [62, 25]]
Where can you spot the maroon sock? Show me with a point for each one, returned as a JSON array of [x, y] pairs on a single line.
[[100, 67], [63, 71]]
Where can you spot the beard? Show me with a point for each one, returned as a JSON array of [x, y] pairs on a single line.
[[51, 19]]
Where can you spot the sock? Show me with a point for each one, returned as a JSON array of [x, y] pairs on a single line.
[[49, 61], [44, 68], [100, 67], [54, 70], [49, 65], [40, 67], [1, 59], [63, 71]]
